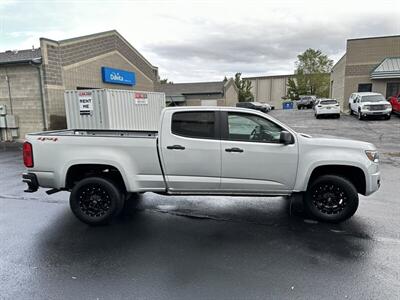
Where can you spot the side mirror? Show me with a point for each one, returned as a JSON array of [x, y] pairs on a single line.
[[286, 138]]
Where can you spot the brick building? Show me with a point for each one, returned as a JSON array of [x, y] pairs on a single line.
[[369, 65], [32, 82]]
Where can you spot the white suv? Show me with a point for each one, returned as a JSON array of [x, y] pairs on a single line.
[[369, 104], [324, 107]]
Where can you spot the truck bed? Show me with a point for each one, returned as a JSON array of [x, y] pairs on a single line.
[[133, 153]]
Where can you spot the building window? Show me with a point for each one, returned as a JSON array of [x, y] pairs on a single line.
[[392, 89], [365, 87]]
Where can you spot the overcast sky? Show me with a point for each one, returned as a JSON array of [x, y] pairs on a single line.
[[206, 40]]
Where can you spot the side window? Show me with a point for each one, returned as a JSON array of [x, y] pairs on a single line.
[[252, 128], [195, 124]]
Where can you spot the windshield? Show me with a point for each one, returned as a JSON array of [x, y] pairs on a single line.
[[372, 98], [328, 102]]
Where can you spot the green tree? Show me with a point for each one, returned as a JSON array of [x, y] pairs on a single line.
[[165, 81], [311, 75], [244, 87]]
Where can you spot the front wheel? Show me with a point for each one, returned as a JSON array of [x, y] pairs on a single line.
[[331, 198], [360, 117], [96, 200], [387, 117]]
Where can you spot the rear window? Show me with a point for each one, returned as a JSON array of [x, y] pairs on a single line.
[[195, 124], [328, 102]]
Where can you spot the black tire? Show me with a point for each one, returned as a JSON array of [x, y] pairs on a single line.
[[298, 107], [359, 115], [96, 201], [351, 111], [331, 198], [387, 117], [338, 116], [316, 116]]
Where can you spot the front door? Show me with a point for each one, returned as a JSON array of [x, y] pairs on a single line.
[[253, 159], [191, 151]]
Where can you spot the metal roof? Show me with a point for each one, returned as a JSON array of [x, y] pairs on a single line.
[[19, 56], [388, 68], [193, 88]]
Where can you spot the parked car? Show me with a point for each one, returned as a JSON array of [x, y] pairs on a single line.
[[201, 150], [395, 102], [367, 104], [264, 107], [326, 107], [306, 102]]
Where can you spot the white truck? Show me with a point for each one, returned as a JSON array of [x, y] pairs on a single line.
[[367, 104], [201, 151]]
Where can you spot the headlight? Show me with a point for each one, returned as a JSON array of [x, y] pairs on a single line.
[[367, 107], [372, 155], [387, 106]]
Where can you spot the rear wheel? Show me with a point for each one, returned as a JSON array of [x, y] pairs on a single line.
[[96, 200], [331, 198]]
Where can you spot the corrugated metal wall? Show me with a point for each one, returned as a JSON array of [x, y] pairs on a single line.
[[115, 109]]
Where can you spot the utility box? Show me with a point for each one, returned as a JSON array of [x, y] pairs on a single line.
[[113, 109], [12, 122], [3, 123], [3, 110]]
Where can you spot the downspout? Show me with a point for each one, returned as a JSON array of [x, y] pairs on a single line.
[[37, 64], [9, 91]]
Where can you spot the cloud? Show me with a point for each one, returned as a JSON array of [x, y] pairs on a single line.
[[205, 40]]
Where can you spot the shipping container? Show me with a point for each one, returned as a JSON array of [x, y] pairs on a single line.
[[113, 109]]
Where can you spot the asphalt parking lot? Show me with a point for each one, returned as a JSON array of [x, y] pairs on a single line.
[[206, 247]]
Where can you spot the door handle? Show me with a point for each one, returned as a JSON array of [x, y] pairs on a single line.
[[234, 149], [176, 147]]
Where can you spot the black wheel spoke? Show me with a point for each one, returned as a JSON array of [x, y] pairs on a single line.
[[329, 198], [94, 201]]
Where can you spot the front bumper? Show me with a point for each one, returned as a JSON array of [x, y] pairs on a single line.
[[373, 179], [385, 112], [31, 180]]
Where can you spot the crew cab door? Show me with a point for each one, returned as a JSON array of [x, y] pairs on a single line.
[[253, 159], [191, 150]]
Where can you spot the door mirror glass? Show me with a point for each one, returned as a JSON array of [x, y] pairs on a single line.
[[286, 138]]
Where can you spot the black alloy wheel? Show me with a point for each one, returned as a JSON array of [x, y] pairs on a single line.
[[331, 198], [96, 200]]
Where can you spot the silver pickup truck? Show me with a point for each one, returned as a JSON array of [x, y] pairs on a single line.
[[201, 151]]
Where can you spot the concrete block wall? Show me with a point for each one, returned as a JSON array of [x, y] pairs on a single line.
[[25, 94]]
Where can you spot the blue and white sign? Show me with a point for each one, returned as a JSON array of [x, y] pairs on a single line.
[[116, 76]]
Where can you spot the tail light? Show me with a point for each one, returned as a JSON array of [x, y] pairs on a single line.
[[27, 154]]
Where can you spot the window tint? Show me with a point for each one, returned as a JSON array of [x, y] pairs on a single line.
[[372, 98], [328, 102], [252, 128], [196, 124]]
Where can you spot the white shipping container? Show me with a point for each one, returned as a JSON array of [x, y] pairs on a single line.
[[113, 109]]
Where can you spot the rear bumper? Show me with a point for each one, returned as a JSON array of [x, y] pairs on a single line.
[[31, 180], [328, 111]]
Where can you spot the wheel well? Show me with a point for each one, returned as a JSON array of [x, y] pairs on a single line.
[[354, 174], [78, 172]]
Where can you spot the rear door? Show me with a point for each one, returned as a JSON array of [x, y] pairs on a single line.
[[191, 150], [253, 159]]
